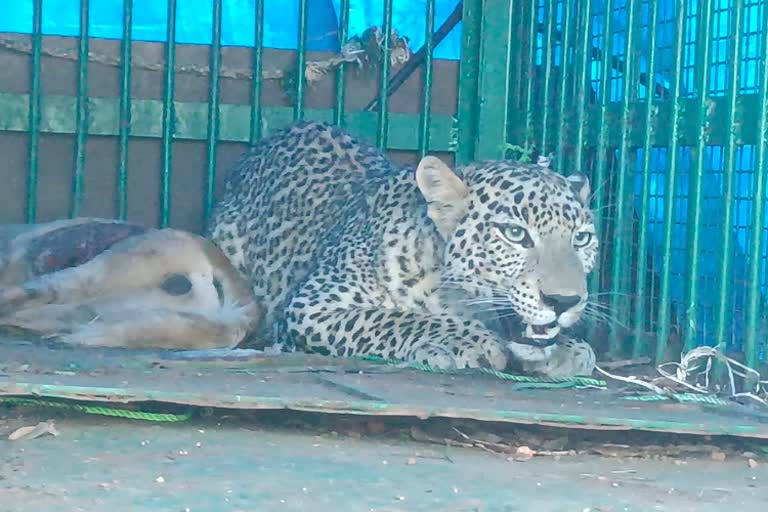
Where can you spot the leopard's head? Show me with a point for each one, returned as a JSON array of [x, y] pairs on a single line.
[[518, 236]]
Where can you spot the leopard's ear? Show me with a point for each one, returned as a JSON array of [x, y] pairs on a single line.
[[445, 193], [580, 185]]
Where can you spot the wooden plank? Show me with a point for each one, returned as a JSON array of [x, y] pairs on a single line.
[[330, 386]]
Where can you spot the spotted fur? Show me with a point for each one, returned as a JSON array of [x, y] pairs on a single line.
[[353, 255]]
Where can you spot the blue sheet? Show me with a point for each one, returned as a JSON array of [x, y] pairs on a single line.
[[194, 21]]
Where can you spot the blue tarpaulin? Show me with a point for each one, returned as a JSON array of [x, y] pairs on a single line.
[[194, 21]]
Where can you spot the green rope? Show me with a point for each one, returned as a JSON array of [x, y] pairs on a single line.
[[98, 409], [540, 382], [680, 397], [525, 382], [519, 386]]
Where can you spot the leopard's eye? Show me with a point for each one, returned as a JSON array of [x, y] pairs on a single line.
[[513, 234], [582, 238]]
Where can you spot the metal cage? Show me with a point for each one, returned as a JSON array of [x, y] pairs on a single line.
[[663, 103]]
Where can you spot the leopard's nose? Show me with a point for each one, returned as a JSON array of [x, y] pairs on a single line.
[[560, 303]]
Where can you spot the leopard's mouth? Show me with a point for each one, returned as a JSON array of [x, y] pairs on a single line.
[[542, 332]]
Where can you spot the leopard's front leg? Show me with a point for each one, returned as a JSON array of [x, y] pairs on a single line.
[[565, 358], [439, 341]]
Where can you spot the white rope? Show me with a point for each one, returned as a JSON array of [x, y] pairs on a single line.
[[696, 365], [693, 373]]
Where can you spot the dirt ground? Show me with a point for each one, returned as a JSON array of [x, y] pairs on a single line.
[[232, 464]]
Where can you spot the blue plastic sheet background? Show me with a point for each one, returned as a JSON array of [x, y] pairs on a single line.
[[61, 17], [194, 21]]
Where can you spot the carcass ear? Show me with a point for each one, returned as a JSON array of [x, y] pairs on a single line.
[[445, 193]]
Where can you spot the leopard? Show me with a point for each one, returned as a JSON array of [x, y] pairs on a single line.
[[353, 255]]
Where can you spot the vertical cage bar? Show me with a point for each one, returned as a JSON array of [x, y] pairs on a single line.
[[531, 109], [723, 303], [695, 188], [169, 84], [426, 103], [257, 66], [494, 78], [469, 72], [125, 110], [340, 98], [565, 78], [81, 114], [301, 60], [755, 258], [212, 139], [601, 161], [622, 234], [550, 21], [665, 289], [518, 70], [584, 84], [382, 131], [34, 111], [640, 317]]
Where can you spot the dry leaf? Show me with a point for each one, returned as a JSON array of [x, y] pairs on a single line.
[[524, 453], [31, 432]]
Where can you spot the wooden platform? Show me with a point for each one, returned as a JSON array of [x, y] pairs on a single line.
[[333, 386]]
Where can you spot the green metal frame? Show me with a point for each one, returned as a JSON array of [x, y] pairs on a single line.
[[599, 126], [504, 97]]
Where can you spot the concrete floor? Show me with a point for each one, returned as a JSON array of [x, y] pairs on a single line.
[[119, 465]]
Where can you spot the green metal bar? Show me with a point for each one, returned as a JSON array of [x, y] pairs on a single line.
[[640, 317], [755, 258], [565, 77], [494, 79], [81, 112], [213, 112], [340, 97], [622, 235], [748, 105], [258, 60], [469, 71], [301, 61], [601, 162], [417, 59], [125, 111], [550, 14], [584, 84], [191, 120], [34, 111], [518, 66], [168, 116], [531, 108], [723, 305], [695, 188], [665, 289], [426, 103], [383, 119]]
